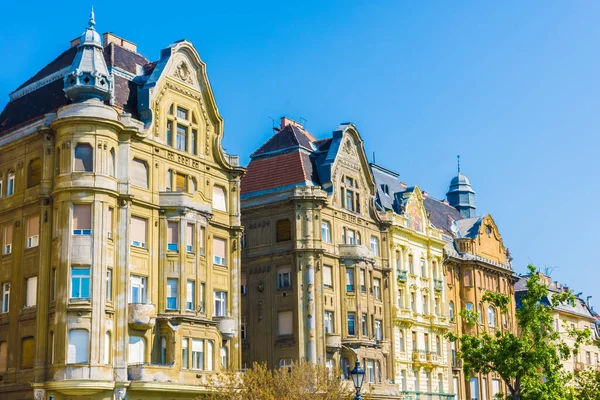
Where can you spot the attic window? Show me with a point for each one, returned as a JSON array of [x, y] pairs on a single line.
[[171, 110], [385, 189], [488, 230], [182, 113]]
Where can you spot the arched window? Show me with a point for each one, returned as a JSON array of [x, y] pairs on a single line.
[[451, 310], [79, 344], [194, 186], [491, 317], [469, 306], [83, 158], [283, 230], [137, 350], [139, 173], [34, 173], [112, 163], [468, 281], [219, 199]]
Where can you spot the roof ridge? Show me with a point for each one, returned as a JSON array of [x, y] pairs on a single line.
[[31, 79]]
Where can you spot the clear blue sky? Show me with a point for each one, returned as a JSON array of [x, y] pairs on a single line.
[[511, 86]]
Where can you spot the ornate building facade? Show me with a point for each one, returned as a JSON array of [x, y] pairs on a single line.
[[418, 304], [567, 317], [315, 280], [120, 228], [475, 261]]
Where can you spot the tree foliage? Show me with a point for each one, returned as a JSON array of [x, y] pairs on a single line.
[[530, 363], [301, 381]]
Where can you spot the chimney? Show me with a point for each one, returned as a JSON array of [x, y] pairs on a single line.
[[424, 194], [285, 121], [109, 38]]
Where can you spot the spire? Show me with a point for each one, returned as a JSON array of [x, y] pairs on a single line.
[[88, 76], [92, 21], [460, 194]]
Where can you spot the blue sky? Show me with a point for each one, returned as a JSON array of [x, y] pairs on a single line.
[[511, 86]]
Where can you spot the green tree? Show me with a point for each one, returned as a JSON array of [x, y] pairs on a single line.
[[299, 382], [586, 385], [530, 363]]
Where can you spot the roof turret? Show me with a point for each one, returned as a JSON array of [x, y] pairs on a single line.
[[88, 76], [461, 195]]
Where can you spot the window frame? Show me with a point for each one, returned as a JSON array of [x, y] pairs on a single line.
[[81, 282]]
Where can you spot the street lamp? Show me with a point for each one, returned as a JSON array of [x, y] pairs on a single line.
[[358, 376]]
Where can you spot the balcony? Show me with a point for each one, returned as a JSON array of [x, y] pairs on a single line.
[[435, 358], [457, 363], [183, 199], [333, 341], [355, 252], [419, 356], [578, 366], [402, 276], [227, 327], [150, 372], [438, 285], [141, 316]]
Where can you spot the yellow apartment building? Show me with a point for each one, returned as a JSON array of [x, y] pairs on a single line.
[[120, 228]]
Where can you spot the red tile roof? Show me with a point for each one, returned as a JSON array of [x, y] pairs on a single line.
[[277, 171]]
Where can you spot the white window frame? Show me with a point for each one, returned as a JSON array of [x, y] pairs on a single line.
[[326, 231], [329, 322], [190, 295], [80, 281], [138, 282], [172, 282], [375, 246], [31, 291], [5, 297], [10, 186], [220, 303], [78, 351]]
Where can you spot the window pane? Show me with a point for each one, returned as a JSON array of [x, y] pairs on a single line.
[[82, 219], [327, 279], [219, 251], [172, 236], [218, 200], [78, 349], [138, 231], [83, 157], [139, 173], [284, 323]]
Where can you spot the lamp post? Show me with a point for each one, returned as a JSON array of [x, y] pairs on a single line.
[[358, 376]]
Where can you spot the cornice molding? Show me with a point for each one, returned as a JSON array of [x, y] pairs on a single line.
[[32, 87]]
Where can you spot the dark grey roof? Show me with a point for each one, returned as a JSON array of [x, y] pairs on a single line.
[[385, 178], [441, 215], [468, 227]]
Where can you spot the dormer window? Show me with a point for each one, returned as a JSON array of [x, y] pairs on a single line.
[[386, 190], [350, 197], [488, 230], [181, 129]]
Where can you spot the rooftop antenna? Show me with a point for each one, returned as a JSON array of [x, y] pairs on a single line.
[[374, 158], [458, 162], [587, 300], [274, 126], [303, 122]]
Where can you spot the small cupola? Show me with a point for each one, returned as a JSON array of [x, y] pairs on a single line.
[[88, 76], [461, 195]]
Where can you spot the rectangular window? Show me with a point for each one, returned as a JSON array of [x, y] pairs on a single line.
[[137, 289], [244, 329], [8, 239], [169, 133], [364, 325], [201, 239], [220, 309], [327, 278], [326, 232], [172, 236], [370, 373], [285, 326], [33, 231], [10, 187], [243, 286], [219, 252], [197, 354], [423, 269], [495, 387], [80, 282], [169, 183], [378, 330], [82, 219], [184, 354], [351, 327], [110, 222], [375, 246], [31, 291], [284, 277], [363, 286], [190, 294], [5, 297], [483, 389], [350, 279], [189, 238], [328, 322], [349, 200], [414, 341], [218, 201], [474, 383], [172, 294], [108, 284], [377, 288], [182, 113], [194, 141], [350, 238], [202, 299], [139, 173], [180, 183], [138, 232]]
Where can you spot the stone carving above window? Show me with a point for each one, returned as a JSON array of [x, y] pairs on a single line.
[[183, 73]]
